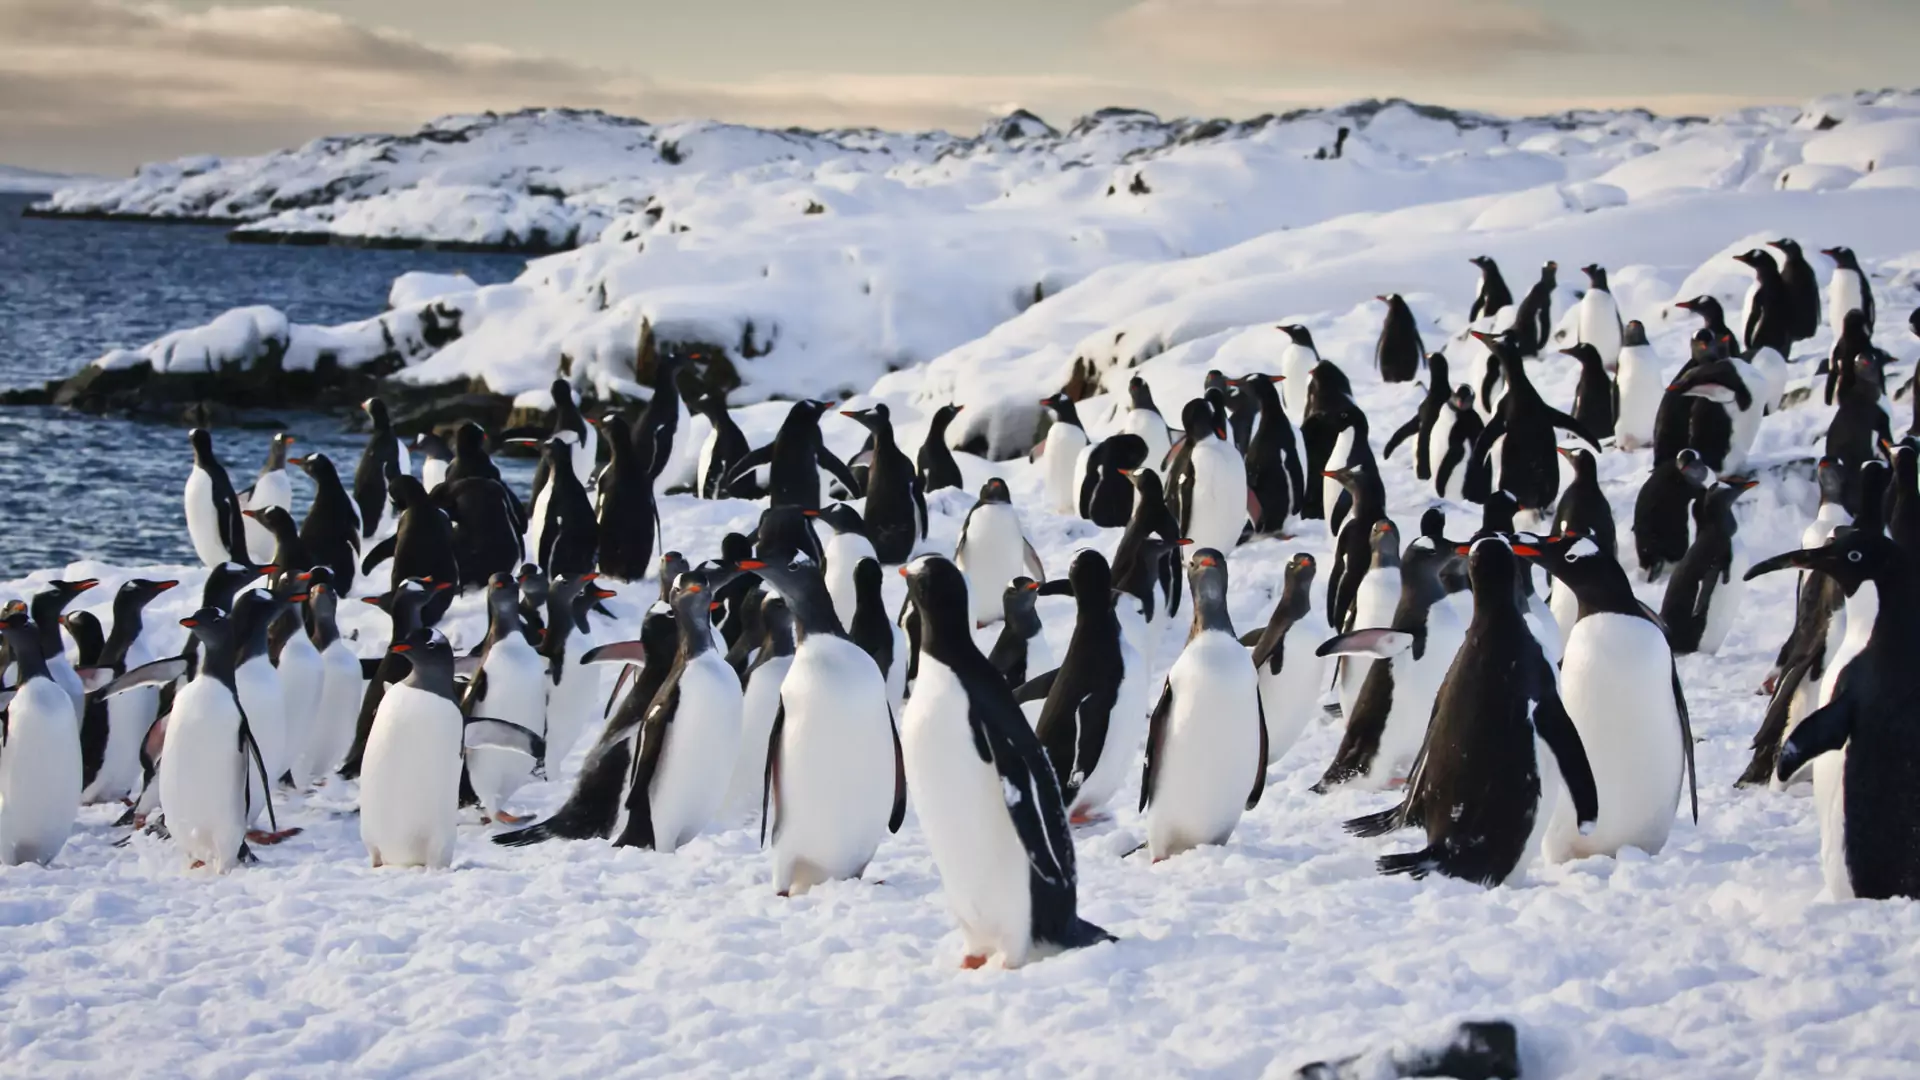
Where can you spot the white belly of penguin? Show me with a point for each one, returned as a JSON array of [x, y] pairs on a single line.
[[410, 779], [1059, 460], [1724, 609], [204, 774], [1126, 733], [1415, 685], [330, 733], [962, 802], [516, 693], [536, 520], [271, 489], [39, 775], [994, 555], [1210, 751], [836, 766], [843, 553], [690, 780], [264, 703], [1152, 430], [1437, 438], [1219, 497], [573, 704], [1617, 685], [129, 716], [758, 705], [1296, 364], [1374, 603], [1830, 805], [1292, 697], [1641, 389], [203, 522], [302, 682]]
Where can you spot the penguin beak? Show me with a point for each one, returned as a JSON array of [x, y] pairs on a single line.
[[189, 622], [402, 648], [1220, 432], [163, 586], [308, 576], [903, 572], [1463, 549], [750, 564], [254, 514], [83, 586], [1801, 560], [1184, 541], [301, 460], [810, 513], [297, 598], [959, 408], [1032, 586], [374, 600], [1276, 378], [1526, 551], [715, 606]]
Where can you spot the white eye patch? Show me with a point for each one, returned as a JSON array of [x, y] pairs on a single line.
[[1583, 548]]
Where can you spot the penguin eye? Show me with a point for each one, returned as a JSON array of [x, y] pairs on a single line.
[[1853, 556]]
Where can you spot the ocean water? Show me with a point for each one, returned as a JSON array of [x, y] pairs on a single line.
[[74, 486]]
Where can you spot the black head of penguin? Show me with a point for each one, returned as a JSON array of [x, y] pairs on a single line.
[[431, 658], [1090, 580], [376, 411], [1595, 578], [432, 446], [1207, 575], [214, 631], [871, 629], [1693, 470], [566, 412], [1788, 245], [1869, 485], [1765, 269], [1298, 335], [803, 588], [1063, 409], [1384, 541], [1853, 557], [1140, 395], [225, 580], [785, 533], [1122, 453], [844, 520], [877, 419], [135, 594], [1485, 263], [994, 491], [1589, 357], [323, 605], [1633, 334], [1199, 421], [23, 641], [1843, 258], [1017, 606], [202, 442], [1596, 276], [534, 584], [1496, 514], [1709, 311], [88, 638], [277, 452], [503, 602], [937, 590], [1586, 470], [692, 601], [1717, 381], [672, 565]]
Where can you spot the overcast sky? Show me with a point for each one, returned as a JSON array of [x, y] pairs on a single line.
[[102, 85]]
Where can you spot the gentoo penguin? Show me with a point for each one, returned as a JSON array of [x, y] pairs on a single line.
[[1519, 441], [300, 670], [212, 765], [1330, 411], [846, 547], [1533, 319], [1860, 427], [657, 425], [1059, 454], [535, 586], [510, 688], [1711, 314], [567, 417], [1593, 396], [596, 803], [1106, 493], [384, 453], [263, 698], [1868, 818], [1274, 481], [1453, 460], [575, 691], [470, 457], [878, 635], [342, 684], [1583, 511], [1238, 408], [89, 641], [736, 600], [1297, 363], [1375, 599], [992, 550], [896, 508], [1430, 426], [1143, 418], [45, 608], [1006, 863], [213, 510], [1020, 651], [270, 488], [1598, 324], [835, 785], [1725, 425], [1638, 387], [795, 457], [627, 520], [1848, 288], [760, 703], [724, 447], [1703, 595], [1291, 674], [1768, 318], [436, 457], [1492, 296], [39, 755], [935, 462], [1412, 650], [331, 530], [1212, 487], [403, 605], [1096, 705], [1397, 355], [487, 528], [1352, 549], [1853, 347], [1622, 691], [1207, 736], [410, 781], [563, 535], [421, 546], [1662, 512], [1803, 290], [1498, 750], [785, 533]]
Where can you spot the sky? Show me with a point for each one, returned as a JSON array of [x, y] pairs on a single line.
[[102, 85]]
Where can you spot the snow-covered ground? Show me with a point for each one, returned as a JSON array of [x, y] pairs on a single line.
[[1716, 958]]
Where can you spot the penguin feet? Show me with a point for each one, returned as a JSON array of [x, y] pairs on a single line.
[[973, 961], [505, 818], [1088, 817], [268, 839]]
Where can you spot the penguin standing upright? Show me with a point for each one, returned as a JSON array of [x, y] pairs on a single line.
[[1622, 692], [1848, 288], [1106, 492], [511, 688], [1860, 427], [1208, 734], [212, 763], [342, 684], [657, 425], [1291, 673], [214, 523], [330, 532], [846, 546], [1453, 461], [410, 781], [626, 519], [567, 417], [1020, 651], [1521, 438], [1533, 319], [1803, 290], [1638, 388], [403, 605], [1143, 418], [563, 535], [1583, 511], [1431, 424], [935, 462], [1150, 518], [270, 488], [1768, 317], [1662, 512], [1096, 704], [1330, 413], [470, 456], [1297, 363], [89, 641], [1353, 547], [39, 755], [436, 457], [422, 545], [1275, 485], [993, 550], [1498, 750], [262, 697], [487, 528], [1727, 417], [1212, 486], [760, 704], [724, 448], [1598, 324], [1703, 596], [1006, 864], [881, 637], [384, 454], [1059, 454], [1492, 297], [896, 509], [45, 609], [794, 459], [1594, 395], [1399, 351], [576, 692], [301, 672]]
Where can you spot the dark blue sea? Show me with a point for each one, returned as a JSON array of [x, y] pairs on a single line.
[[74, 486]]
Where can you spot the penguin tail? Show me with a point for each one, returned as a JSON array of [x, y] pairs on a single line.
[[1079, 933], [1379, 824], [532, 834], [1418, 864]]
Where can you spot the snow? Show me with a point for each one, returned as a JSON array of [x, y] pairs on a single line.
[[1719, 957]]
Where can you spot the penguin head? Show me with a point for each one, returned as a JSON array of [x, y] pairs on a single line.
[[1586, 354], [1485, 263], [562, 391], [66, 591], [432, 446], [202, 442], [1704, 306], [1496, 513], [1298, 334], [1572, 557], [210, 625], [735, 547], [1490, 569], [1843, 257], [1140, 395], [316, 465], [1437, 369], [1260, 388], [944, 415], [404, 491], [1634, 333], [1583, 463], [1300, 571], [1147, 489], [1852, 557], [277, 451], [469, 439], [431, 655], [376, 409], [1062, 406], [1215, 379], [1384, 541], [873, 418], [1088, 574], [1019, 596], [1692, 469], [1913, 322], [1207, 572], [503, 596], [1596, 276], [1199, 421], [1757, 258], [20, 634], [1350, 475], [1549, 273], [1854, 326], [143, 590], [938, 591], [995, 491], [533, 583], [1791, 247], [1123, 453], [844, 520], [1462, 399]]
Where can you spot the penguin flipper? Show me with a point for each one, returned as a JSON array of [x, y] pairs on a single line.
[[616, 652], [250, 747], [899, 812], [1566, 422], [1381, 644], [381, 552], [838, 468], [743, 469], [1686, 743], [653, 736], [770, 780], [1036, 688], [1773, 728], [1406, 431], [1260, 771], [1556, 728], [485, 732], [1035, 567], [1825, 729], [157, 673], [1156, 737], [919, 490]]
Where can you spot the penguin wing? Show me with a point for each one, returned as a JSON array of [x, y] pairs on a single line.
[[1260, 771], [1036, 688], [250, 757], [486, 732], [838, 468], [1407, 431], [919, 491], [1031, 790], [476, 689], [1686, 743], [899, 812], [1035, 567], [1156, 738], [1556, 728], [960, 545], [1568, 423], [1183, 492], [616, 652], [381, 552], [770, 780], [653, 738], [742, 470], [157, 673], [1825, 729], [1381, 644]]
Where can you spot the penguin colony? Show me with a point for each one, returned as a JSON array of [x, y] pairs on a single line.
[[770, 680]]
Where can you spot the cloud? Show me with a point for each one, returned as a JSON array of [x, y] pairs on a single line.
[[1338, 35]]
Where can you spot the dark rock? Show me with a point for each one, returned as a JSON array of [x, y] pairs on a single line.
[[1479, 1050]]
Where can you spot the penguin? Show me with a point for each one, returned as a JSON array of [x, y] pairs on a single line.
[[1903, 499], [342, 685], [1802, 290], [1275, 484], [1492, 297], [1411, 651], [1848, 289], [1662, 511], [1020, 651], [263, 698], [510, 688], [735, 601], [403, 605], [212, 767], [330, 532], [1290, 673], [384, 453], [627, 521], [1006, 864], [410, 780], [563, 535], [1769, 317], [934, 462], [487, 528], [575, 690], [1150, 518], [877, 634], [1638, 388], [1853, 348], [1533, 319], [846, 547], [45, 608], [40, 782], [270, 488], [1431, 424], [1106, 493], [1519, 441], [1867, 817], [1207, 736], [1724, 427], [795, 457], [1096, 708], [1593, 396], [1212, 486], [1703, 595], [1712, 315], [1583, 511], [1499, 750], [896, 508], [1298, 362], [1860, 427], [658, 424], [470, 457], [436, 458], [1238, 408], [1329, 411], [1399, 351], [1354, 444], [586, 442], [421, 546], [535, 591], [1352, 549], [89, 641], [1453, 461], [214, 523], [724, 447], [1059, 454], [1622, 691], [760, 704], [1598, 323], [1143, 418], [300, 671], [993, 550]]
